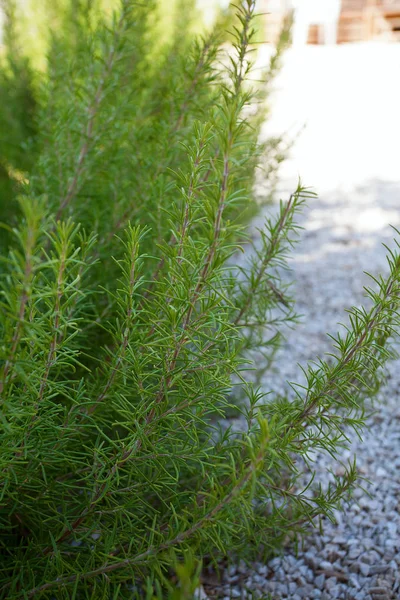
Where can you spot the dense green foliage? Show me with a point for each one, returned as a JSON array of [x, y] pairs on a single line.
[[127, 320]]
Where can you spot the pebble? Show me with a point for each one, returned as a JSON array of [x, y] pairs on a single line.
[[379, 569], [364, 569], [292, 587], [330, 583], [327, 566], [262, 570], [354, 553], [353, 581], [284, 590], [200, 594], [340, 539]]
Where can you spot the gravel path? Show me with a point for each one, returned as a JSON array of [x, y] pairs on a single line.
[[349, 98]]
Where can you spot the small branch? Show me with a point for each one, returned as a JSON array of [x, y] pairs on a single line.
[[167, 378], [68, 531], [52, 350], [190, 92], [155, 550], [175, 128], [172, 241], [358, 344], [267, 260], [125, 339], [21, 313], [87, 134], [54, 341]]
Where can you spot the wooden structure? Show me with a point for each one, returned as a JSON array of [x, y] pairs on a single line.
[[360, 20], [385, 18]]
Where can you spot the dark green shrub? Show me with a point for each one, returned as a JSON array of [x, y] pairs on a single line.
[[127, 323]]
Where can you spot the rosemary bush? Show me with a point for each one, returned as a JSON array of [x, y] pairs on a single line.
[[127, 323]]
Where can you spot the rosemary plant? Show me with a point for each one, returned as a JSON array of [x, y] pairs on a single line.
[[127, 325]]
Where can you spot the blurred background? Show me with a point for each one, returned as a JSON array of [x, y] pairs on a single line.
[[340, 87], [336, 99]]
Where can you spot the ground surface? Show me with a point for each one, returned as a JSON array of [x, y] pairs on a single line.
[[349, 99]]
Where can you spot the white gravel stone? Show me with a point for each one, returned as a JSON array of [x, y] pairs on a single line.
[[200, 594], [262, 570], [364, 569], [292, 587]]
